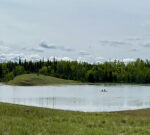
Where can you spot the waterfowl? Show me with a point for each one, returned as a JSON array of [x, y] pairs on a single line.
[[103, 90]]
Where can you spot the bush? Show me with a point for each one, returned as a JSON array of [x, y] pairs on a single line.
[[9, 76]]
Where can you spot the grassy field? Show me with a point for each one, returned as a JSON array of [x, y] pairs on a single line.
[[23, 120], [33, 79]]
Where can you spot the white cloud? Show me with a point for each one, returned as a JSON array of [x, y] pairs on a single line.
[[99, 60], [60, 58], [66, 59], [81, 59], [15, 57], [127, 60]]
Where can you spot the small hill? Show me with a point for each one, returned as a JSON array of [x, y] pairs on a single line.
[[37, 80]]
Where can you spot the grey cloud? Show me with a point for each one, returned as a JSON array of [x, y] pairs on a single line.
[[83, 53], [135, 39], [133, 50], [37, 50], [146, 24], [113, 43], [1, 42], [147, 45], [43, 44], [65, 49], [4, 48]]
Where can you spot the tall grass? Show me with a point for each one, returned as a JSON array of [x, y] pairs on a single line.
[[24, 120]]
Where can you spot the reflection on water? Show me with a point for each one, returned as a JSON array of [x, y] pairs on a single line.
[[88, 98]]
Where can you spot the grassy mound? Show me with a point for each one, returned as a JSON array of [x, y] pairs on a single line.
[[33, 80], [24, 120]]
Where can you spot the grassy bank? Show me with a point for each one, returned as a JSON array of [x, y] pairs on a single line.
[[23, 120], [34, 79]]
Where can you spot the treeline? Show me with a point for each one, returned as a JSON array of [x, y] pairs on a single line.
[[133, 72]]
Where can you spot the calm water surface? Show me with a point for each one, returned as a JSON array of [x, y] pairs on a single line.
[[87, 98]]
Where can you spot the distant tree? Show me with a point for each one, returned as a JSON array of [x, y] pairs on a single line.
[[19, 70], [90, 76], [1, 71], [132, 72], [4, 70], [20, 62], [9, 76], [43, 70]]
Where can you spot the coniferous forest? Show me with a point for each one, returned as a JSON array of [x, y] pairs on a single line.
[[117, 72]]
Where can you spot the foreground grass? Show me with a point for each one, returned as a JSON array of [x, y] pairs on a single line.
[[34, 79], [23, 120]]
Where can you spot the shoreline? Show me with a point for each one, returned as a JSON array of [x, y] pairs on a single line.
[[75, 111], [42, 80], [80, 83]]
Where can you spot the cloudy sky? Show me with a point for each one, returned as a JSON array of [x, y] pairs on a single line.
[[90, 30]]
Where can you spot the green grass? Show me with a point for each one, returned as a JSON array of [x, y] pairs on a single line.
[[24, 120], [33, 79]]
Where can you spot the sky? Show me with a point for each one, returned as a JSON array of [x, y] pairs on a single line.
[[83, 30]]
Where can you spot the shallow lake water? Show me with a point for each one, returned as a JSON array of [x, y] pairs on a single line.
[[86, 98]]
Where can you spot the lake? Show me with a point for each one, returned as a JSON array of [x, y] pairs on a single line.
[[86, 98]]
